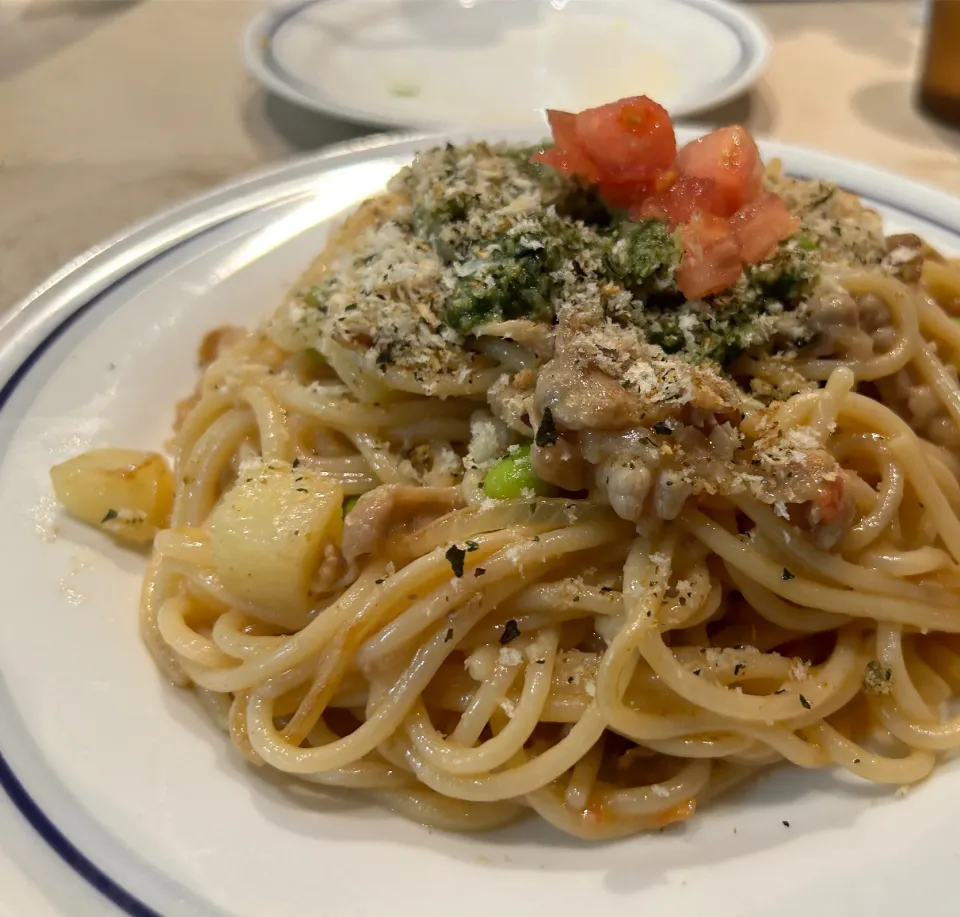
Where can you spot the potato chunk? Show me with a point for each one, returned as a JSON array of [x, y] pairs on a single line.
[[124, 492], [269, 533]]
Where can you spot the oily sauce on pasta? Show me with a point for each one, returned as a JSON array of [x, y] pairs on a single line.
[[591, 479]]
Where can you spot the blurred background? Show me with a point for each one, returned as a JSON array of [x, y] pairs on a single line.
[[113, 109]]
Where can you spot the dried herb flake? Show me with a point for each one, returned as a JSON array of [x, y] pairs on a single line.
[[455, 555], [547, 431], [510, 632]]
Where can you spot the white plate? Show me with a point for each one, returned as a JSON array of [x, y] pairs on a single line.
[[126, 780], [444, 63]]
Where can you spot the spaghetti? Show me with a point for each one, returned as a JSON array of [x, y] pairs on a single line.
[[615, 551]]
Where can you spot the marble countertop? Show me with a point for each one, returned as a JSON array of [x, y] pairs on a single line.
[[112, 109]]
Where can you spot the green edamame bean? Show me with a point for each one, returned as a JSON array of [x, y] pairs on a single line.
[[512, 475]]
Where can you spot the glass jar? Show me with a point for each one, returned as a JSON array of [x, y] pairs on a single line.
[[940, 77]]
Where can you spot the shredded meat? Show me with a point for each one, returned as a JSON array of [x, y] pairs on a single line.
[[905, 256], [561, 464], [803, 481], [332, 570], [626, 485], [390, 507], [511, 400], [581, 397], [831, 308], [640, 473], [830, 513], [605, 378]]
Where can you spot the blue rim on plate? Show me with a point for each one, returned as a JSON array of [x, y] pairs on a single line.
[[78, 288], [262, 61]]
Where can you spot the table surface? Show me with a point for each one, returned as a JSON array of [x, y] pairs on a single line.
[[113, 109]]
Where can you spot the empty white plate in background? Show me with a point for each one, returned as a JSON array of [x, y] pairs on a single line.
[[442, 63]]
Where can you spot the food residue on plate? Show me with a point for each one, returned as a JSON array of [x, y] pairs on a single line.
[[405, 90]]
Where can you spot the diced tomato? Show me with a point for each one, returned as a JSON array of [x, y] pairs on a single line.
[[563, 126], [630, 195], [630, 141], [761, 225], [713, 188], [567, 155], [677, 205], [664, 180], [653, 208], [830, 499], [711, 257], [729, 157], [624, 195]]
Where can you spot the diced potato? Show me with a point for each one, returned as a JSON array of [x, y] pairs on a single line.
[[269, 533], [125, 492]]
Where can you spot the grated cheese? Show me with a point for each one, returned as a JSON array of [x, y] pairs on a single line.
[[374, 307], [488, 439]]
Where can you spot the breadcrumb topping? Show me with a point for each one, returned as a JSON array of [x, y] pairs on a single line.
[[424, 288]]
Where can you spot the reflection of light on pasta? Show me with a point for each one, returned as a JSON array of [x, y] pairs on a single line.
[[465, 660]]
